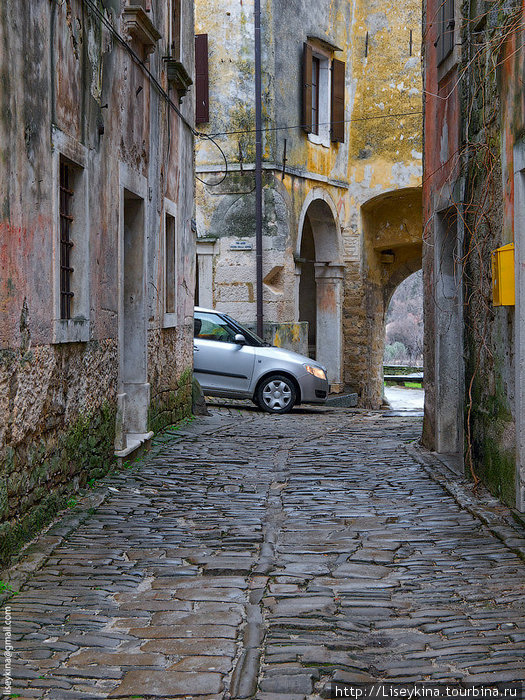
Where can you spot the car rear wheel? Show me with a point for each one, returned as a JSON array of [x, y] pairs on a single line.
[[276, 394]]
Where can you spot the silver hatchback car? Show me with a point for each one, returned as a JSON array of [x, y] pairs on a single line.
[[230, 361]]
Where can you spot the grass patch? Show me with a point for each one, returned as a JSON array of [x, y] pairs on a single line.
[[406, 385], [7, 588]]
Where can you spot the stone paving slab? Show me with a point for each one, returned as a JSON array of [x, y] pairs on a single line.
[[257, 556]]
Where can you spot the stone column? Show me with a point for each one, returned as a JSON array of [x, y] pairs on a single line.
[[329, 280], [298, 270]]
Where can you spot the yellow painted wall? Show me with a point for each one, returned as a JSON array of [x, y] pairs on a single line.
[[382, 153]]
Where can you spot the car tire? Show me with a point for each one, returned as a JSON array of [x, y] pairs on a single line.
[[276, 394]]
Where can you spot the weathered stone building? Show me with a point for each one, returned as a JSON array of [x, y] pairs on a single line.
[[96, 245], [474, 201], [342, 166]]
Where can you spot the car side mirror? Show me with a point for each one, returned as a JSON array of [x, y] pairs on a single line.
[[240, 339]]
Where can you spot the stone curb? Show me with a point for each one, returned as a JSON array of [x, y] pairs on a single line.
[[37, 551], [500, 520]]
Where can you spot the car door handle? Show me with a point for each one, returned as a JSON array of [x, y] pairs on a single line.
[[195, 348]]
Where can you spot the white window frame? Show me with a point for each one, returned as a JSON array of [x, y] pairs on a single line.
[[76, 329], [170, 320], [325, 96]]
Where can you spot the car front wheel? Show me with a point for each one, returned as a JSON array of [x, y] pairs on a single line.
[[276, 394]]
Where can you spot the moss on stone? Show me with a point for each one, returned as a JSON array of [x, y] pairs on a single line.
[[491, 419], [3, 498], [171, 406], [499, 469], [14, 535], [39, 480]]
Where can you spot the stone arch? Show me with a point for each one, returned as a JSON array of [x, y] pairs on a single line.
[[319, 204], [412, 328], [392, 250], [398, 277], [319, 281]]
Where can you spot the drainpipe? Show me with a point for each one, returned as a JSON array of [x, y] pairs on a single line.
[[258, 167]]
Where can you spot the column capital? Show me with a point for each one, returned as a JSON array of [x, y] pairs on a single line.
[[330, 271]]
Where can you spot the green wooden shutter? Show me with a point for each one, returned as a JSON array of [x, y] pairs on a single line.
[[338, 101], [202, 99], [307, 89]]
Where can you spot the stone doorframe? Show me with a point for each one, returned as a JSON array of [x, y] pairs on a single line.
[[329, 275], [133, 388], [449, 367]]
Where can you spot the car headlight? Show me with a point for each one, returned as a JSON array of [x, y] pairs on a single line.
[[316, 371]]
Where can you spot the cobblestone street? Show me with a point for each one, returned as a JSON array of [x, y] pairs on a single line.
[[259, 556]]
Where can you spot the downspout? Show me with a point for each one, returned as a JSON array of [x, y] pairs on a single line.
[[258, 167], [52, 64]]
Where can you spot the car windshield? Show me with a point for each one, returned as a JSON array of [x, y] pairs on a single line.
[[251, 337]]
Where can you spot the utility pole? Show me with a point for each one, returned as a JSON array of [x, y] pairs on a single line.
[[258, 168]]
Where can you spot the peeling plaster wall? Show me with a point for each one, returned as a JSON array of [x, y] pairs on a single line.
[[482, 108], [62, 73], [384, 173], [378, 156]]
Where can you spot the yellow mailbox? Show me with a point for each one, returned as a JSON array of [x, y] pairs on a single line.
[[503, 287]]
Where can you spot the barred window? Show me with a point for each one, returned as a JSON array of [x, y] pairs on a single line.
[[66, 243], [71, 306]]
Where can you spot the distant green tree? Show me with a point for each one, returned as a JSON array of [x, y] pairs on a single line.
[[395, 354], [404, 323]]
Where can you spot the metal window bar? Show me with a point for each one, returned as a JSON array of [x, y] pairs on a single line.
[[66, 244]]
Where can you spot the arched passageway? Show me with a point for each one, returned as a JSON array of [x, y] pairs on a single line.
[[320, 284], [403, 353], [404, 323], [308, 287], [392, 250]]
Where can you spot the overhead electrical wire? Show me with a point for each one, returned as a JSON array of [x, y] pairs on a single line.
[[211, 137], [120, 39], [302, 126], [158, 87]]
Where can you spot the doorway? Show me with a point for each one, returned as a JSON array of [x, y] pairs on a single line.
[[448, 322], [308, 287], [320, 290], [132, 423]]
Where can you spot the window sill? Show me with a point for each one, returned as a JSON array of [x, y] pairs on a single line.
[[137, 25], [71, 331], [447, 65], [170, 321], [319, 140], [178, 76]]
